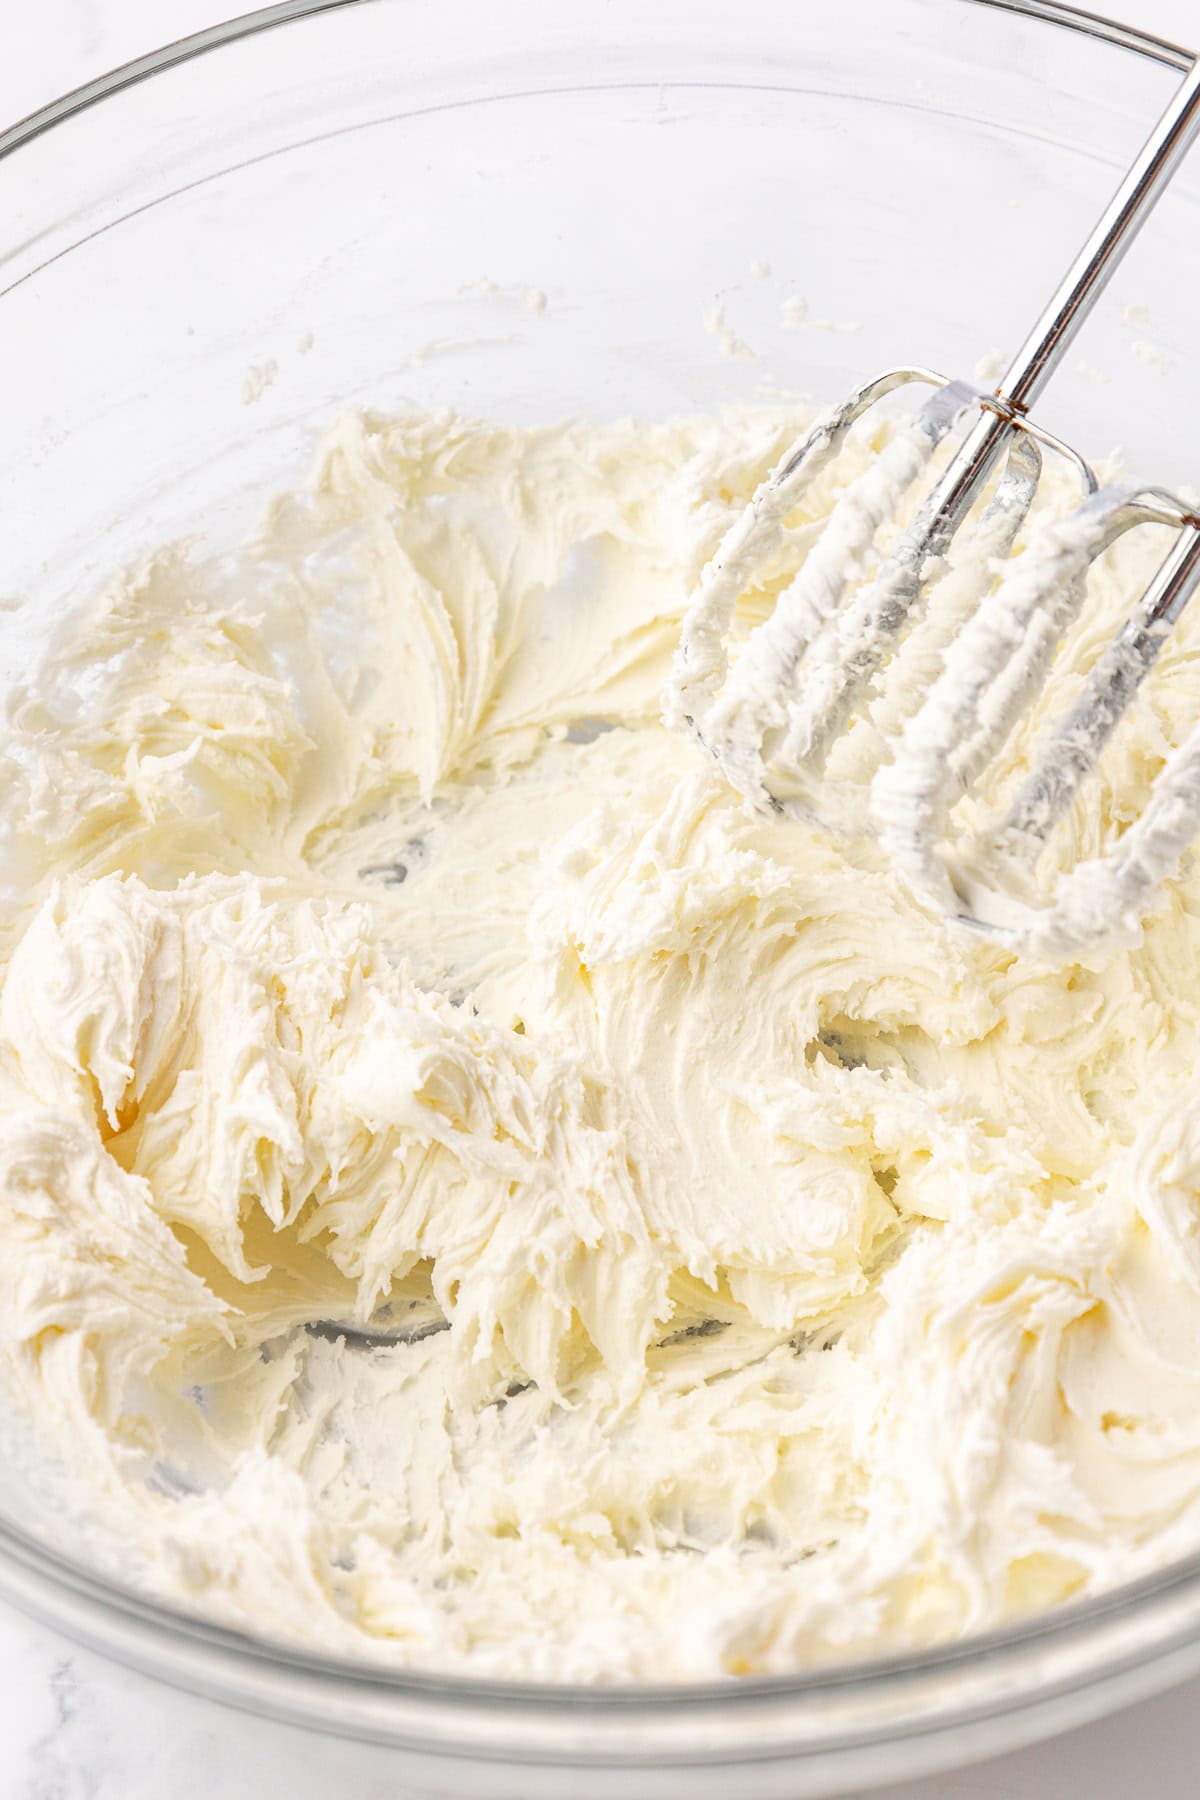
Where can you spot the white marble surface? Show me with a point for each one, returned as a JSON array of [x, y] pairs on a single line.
[[73, 1727]]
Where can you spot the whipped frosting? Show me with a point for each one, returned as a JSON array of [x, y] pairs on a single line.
[[476, 1194]]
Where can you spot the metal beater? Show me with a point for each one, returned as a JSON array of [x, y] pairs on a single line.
[[939, 690]]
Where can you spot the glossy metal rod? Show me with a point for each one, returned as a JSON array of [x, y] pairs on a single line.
[[1116, 229], [1070, 305]]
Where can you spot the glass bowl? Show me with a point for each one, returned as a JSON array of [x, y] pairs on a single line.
[[527, 213]]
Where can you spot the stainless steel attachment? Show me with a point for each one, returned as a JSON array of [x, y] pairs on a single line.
[[934, 691]]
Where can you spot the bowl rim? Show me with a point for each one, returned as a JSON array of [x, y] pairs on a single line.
[[198, 43], [44, 1582]]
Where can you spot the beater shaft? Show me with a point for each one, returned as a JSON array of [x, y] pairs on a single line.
[[1024, 379]]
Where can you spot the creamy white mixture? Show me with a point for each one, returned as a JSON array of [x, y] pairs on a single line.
[[819, 1280]]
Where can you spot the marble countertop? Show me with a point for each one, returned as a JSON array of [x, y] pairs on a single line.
[[74, 1727]]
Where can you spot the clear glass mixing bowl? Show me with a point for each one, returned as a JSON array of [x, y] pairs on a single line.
[[208, 253]]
